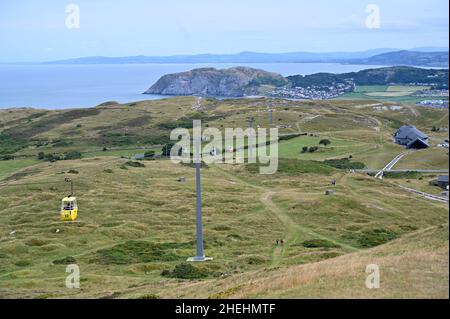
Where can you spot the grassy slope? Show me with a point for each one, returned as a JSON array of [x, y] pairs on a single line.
[[8, 167], [244, 212]]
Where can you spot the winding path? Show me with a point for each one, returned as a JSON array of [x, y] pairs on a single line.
[[292, 229]]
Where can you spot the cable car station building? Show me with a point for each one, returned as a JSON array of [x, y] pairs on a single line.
[[410, 137]]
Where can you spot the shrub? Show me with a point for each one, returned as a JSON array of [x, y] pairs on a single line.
[[295, 167], [134, 251], [344, 163], [325, 142], [72, 155], [166, 149], [61, 143], [22, 263], [407, 174], [315, 243], [185, 271], [64, 261], [134, 164], [372, 237], [7, 157], [290, 136], [35, 242], [304, 149], [52, 157]]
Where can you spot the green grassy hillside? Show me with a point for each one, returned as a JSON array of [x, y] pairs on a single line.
[[136, 223]]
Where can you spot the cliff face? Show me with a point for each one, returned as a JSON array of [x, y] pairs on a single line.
[[233, 82]]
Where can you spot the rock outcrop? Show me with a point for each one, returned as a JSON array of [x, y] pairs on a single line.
[[232, 82]]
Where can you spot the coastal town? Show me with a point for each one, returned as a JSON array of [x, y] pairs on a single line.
[[314, 92]]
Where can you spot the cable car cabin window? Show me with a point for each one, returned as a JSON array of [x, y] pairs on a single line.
[[69, 205]]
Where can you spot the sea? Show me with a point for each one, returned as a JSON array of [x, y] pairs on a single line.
[[51, 86]]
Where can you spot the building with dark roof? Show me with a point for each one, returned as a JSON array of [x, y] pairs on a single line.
[[442, 181], [410, 137]]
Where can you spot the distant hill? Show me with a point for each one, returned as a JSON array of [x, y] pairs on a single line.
[[243, 81], [232, 82], [429, 59], [383, 56], [380, 76], [242, 57]]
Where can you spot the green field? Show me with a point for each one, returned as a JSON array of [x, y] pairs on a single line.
[[8, 167], [338, 148], [392, 93]]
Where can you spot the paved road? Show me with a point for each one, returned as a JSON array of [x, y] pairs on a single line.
[[389, 165], [368, 170], [426, 195]]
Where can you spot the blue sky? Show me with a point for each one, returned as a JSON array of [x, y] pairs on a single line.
[[36, 30]]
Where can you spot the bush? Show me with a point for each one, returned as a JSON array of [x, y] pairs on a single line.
[[64, 261], [185, 271], [35, 242], [304, 149], [372, 237], [166, 149], [407, 174], [72, 155], [52, 157], [295, 167], [315, 243], [22, 263], [134, 164], [134, 251], [325, 142], [61, 143], [7, 157], [344, 163], [290, 136]]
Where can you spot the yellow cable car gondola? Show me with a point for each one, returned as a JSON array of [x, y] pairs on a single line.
[[69, 207]]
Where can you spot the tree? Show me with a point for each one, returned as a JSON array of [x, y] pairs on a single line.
[[166, 149], [304, 149], [41, 155], [325, 142]]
